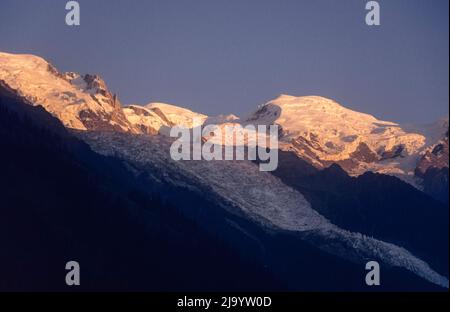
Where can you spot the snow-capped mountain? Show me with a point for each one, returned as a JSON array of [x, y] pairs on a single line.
[[318, 130], [80, 102], [323, 132]]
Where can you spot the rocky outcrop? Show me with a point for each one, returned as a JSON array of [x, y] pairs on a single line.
[[435, 157]]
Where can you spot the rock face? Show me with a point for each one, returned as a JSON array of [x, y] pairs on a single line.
[[433, 170], [436, 156]]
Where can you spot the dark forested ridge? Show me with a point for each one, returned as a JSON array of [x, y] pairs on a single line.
[[436, 183]]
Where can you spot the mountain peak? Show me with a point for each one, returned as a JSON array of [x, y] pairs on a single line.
[[284, 96], [306, 102], [80, 102], [24, 60], [324, 132], [316, 98]]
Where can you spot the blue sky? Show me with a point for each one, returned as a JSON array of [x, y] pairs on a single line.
[[228, 56]]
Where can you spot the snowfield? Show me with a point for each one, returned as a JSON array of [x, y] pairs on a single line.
[[158, 118]]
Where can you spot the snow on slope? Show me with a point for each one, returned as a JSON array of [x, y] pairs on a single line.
[[80, 102], [222, 119], [264, 199], [176, 115], [159, 117], [144, 119]]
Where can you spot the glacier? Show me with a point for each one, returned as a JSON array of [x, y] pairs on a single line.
[[259, 196]]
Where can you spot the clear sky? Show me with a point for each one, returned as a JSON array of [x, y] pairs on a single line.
[[228, 56]]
